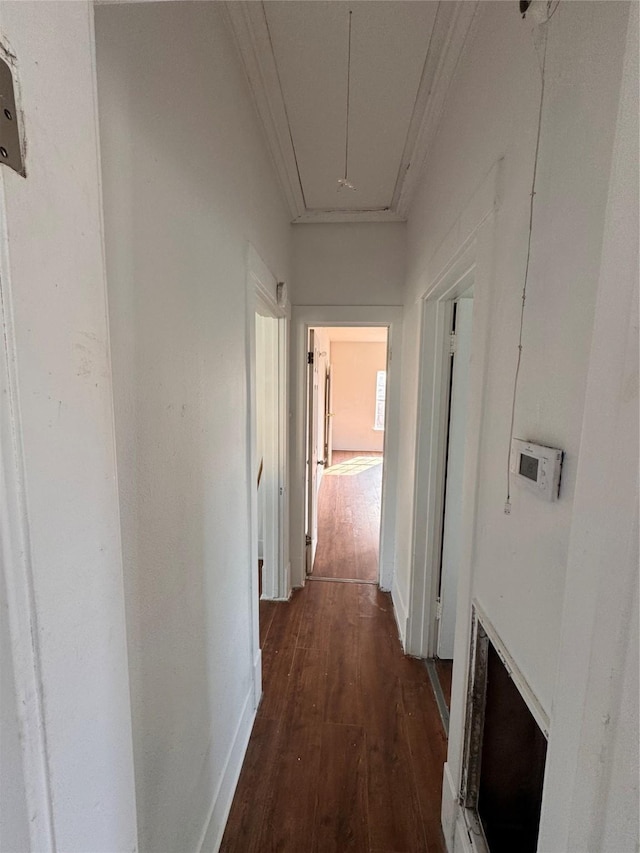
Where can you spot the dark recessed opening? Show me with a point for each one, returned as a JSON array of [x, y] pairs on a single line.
[[514, 751]]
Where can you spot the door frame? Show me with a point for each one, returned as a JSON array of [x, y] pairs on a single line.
[[453, 413], [468, 262], [262, 293], [311, 454], [303, 318]]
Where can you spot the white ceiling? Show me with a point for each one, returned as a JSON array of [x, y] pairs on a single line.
[[403, 55], [389, 45]]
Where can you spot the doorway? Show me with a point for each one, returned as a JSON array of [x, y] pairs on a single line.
[[458, 354], [267, 439], [267, 450], [303, 318], [345, 437]]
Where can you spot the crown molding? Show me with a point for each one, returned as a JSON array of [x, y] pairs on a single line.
[[249, 26], [253, 40], [450, 32]]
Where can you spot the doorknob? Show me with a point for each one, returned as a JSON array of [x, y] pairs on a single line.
[[320, 461]]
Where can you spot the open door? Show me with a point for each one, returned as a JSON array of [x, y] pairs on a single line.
[[452, 522], [312, 453], [328, 415], [267, 392]]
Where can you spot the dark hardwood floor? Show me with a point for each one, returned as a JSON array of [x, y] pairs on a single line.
[[349, 502], [347, 750]]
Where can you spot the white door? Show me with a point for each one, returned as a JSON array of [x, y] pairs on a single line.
[[312, 452], [328, 422], [267, 441], [451, 537]]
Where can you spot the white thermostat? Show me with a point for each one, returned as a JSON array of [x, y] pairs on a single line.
[[537, 467]]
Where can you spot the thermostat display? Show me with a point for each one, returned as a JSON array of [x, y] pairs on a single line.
[[538, 467]]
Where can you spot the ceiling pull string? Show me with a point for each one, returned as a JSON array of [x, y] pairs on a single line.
[[345, 182]]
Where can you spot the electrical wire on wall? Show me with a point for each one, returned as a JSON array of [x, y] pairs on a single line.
[[550, 13]]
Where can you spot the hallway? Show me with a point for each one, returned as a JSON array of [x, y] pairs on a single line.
[[349, 503], [347, 749]]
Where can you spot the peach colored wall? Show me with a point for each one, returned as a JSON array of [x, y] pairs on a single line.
[[354, 394]]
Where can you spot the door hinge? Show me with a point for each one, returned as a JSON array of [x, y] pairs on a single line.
[[309, 358], [438, 609], [10, 142], [307, 540], [453, 343]]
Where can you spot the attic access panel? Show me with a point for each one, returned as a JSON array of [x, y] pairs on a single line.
[[505, 754]]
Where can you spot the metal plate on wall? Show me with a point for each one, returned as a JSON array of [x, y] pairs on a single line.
[[10, 148]]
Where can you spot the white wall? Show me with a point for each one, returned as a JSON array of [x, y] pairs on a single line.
[[61, 556], [519, 561], [14, 808], [348, 264], [355, 367], [592, 779], [187, 182]]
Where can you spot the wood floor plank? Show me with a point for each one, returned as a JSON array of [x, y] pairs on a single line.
[[276, 666], [349, 517], [342, 815], [266, 612], [315, 623], [285, 623], [289, 817], [428, 747], [343, 699], [307, 687], [372, 601], [277, 656], [343, 703], [243, 828], [395, 819], [343, 711]]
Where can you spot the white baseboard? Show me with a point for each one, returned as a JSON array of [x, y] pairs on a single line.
[[221, 806], [400, 611], [450, 808], [257, 679]]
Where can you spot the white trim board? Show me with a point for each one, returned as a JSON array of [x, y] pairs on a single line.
[[529, 697], [261, 293], [463, 257], [399, 611], [223, 799], [307, 316], [20, 612]]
